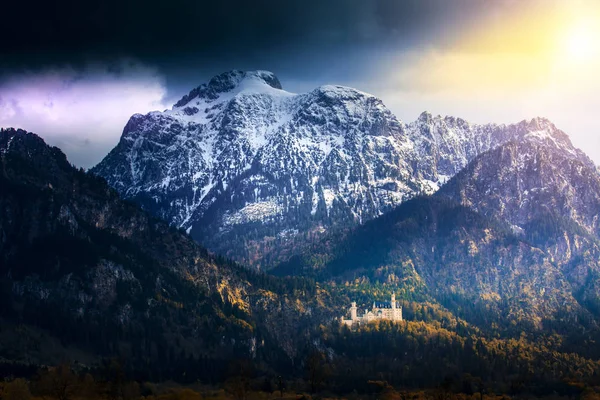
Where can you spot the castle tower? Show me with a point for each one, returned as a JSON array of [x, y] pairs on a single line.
[[396, 312], [353, 316]]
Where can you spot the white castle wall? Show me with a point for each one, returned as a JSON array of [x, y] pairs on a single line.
[[393, 313]]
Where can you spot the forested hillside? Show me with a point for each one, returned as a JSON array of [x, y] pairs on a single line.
[[87, 278]]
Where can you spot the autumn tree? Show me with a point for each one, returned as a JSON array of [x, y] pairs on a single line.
[[16, 390], [58, 382]]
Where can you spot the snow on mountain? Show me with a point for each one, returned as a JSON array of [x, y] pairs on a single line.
[[529, 182], [241, 160], [447, 144]]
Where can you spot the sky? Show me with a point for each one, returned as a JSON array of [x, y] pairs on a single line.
[[74, 72]]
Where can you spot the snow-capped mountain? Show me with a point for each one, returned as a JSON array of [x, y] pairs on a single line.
[[523, 182], [445, 145], [334, 144], [244, 165]]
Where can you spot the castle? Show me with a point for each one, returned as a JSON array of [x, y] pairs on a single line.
[[381, 310]]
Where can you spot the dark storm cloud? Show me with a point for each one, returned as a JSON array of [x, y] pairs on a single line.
[[101, 61], [307, 41], [62, 31]]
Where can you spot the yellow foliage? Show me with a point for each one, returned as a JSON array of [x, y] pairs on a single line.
[[490, 296], [267, 294], [234, 295], [170, 302]]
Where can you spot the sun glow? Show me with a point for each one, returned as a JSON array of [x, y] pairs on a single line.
[[546, 46], [540, 57], [581, 42]]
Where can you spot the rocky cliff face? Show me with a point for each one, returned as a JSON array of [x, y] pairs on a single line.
[[521, 182], [247, 167], [549, 196], [446, 145]]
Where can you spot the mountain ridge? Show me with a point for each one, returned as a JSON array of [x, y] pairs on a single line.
[[238, 157]]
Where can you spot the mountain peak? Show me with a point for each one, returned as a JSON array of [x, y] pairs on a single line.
[[19, 140], [339, 90], [542, 130], [7, 133], [239, 152], [229, 81], [32, 149], [425, 116], [539, 123]]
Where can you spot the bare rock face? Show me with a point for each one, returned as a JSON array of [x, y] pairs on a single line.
[[248, 168]]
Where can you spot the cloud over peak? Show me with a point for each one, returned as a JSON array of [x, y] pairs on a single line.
[[81, 109]]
